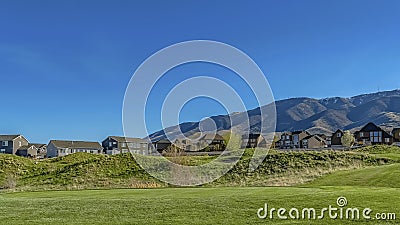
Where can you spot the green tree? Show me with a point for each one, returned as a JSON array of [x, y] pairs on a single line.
[[348, 139]]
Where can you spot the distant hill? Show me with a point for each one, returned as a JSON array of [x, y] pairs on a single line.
[[316, 115]]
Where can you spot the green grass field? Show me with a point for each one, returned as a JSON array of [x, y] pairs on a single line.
[[232, 205], [368, 178]]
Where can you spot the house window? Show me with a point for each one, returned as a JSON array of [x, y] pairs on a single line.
[[20, 144], [123, 145], [339, 135], [387, 140], [109, 144], [376, 136], [5, 143], [2, 151], [361, 134]]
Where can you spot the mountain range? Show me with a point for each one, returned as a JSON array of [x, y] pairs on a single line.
[[314, 115]]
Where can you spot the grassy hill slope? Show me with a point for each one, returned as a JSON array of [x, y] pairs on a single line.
[[280, 168]]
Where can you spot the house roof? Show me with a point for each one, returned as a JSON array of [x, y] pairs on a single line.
[[9, 137], [213, 137], [76, 144], [38, 145], [314, 136], [298, 132], [26, 147], [208, 136], [338, 131], [372, 127], [163, 141], [126, 139]]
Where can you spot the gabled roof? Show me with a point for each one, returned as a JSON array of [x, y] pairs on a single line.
[[163, 141], [338, 131], [26, 147], [38, 145], [76, 144], [251, 136], [216, 137], [370, 127], [299, 132], [314, 136], [208, 136], [126, 139], [9, 137]]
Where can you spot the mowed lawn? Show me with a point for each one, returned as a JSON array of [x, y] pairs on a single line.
[[228, 205]]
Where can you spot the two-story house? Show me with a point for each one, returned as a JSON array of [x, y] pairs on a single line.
[[116, 145], [253, 140], [32, 151], [313, 142], [336, 139], [9, 144], [201, 142], [371, 134], [293, 139]]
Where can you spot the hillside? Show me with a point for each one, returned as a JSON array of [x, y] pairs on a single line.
[[88, 171], [318, 115]]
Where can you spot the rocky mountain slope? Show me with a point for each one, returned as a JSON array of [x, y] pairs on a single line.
[[316, 115]]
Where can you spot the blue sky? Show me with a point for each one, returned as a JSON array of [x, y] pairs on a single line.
[[64, 65]]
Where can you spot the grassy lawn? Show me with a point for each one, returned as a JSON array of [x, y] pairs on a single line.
[[387, 176], [232, 205], [368, 178]]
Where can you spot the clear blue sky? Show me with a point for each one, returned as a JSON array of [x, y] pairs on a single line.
[[64, 65]]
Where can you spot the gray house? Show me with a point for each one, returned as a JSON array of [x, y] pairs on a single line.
[[32, 151], [57, 148], [115, 145], [253, 141], [201, 142], [293, 139], [41, 150], [9, 144], [313, 142]]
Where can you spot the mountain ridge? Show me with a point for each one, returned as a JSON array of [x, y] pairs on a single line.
[[317, 115]]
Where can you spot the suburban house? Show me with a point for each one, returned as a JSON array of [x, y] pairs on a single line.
[[336, 139], [29, 150], [313, 142], [210, 142], [327, 139], [201, 142], [9, 144], [57, 148], [41, 150], [161, 145], [115, 145], [253, 141], [371, 134], [293, 139]]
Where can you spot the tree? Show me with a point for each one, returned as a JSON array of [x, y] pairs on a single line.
[[347, 139]]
